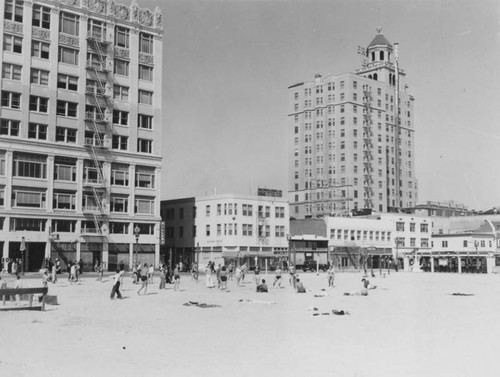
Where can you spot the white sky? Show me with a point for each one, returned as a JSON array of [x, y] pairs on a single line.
[[227, 66]]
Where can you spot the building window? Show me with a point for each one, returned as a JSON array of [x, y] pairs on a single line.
[[145, 121], [120, 117], [400, 226], [95, 29], [424, 242], [119, 204], [444, 243], [122, 37], [144, 205], [39, 77], [121, 67], [37, 131], [67, 135], [424, 228], [144, 146], [465, 243], [69, 23], [280, 212], [412, 227], [14, 10], [11, 99], [146, 43], [279, 231], [40, 49], [64, 200], [30, 199], [118, 228], [145, 72], [145, 97], [39, 104], [68, 56], [119, 142], [144, 177], [207, 211], [9, 127], [207, 230], [27, 224], [119, 175], [67, 82], [68, 109], [11, 71], [29, 165], [41, 16], [12, 43], [65, 169], [120, 92]]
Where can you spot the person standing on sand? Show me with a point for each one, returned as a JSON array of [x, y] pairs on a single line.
[[257, 275], [162, 277], [208, 276], [177, 277], [72, 273], [277, 278], [238, 275], [116, 284], [54, 273], [223, 278], [100, 270], [151, 272], [144, 279], [292, 277], [331, 276]]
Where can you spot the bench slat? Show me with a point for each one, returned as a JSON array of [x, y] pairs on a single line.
[[23, 291]]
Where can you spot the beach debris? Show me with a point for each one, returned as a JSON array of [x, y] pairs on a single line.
[[257, 301], [462, 294]]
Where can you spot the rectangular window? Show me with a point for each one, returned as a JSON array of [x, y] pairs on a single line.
[[96, 29], [11, 71], [122, 37], [37, 131], [144, 177], [120, 92], [39, 104], [12, 43], [120, 142], [146, 43], [144, 205], [400, 226], [40, 49], [120, 117], [68, 56], [41, 16], [145, 97], [207, 230], [145, 121], [11, 99], [39, 77], [66, 135], [69, 23], [68, 109], [119, 204], [29, 165], [27, 224], [65, 169], [64, 200], [67, 82], [118, 228], [119, 175], [9, 127], [121, 67], [424, 228], [144, 146], [29, 199], [145, 73], [14, 10]]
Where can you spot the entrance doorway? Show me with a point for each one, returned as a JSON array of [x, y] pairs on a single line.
[[33, 257]]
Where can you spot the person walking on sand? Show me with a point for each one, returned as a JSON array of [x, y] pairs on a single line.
[[54, 273], [331, 276], [257, 275], [151, 272], [291, 278], [45, 278], [208, 276], [116, 284], [177, 277], [100, 270], [223, 278], [143, 279], [163, 278], [277, 278], [72, 273], [237, 275]]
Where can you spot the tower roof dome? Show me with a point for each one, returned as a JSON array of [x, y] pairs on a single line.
[[379, 40]]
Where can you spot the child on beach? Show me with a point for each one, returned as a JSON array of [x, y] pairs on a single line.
[[331, 276], [262, 287], [277, 278], [299, 287], [144, 279]]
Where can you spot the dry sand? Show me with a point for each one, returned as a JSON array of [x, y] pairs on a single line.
[[410, 325]]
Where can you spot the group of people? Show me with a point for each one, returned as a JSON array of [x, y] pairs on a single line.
[[12, 266]]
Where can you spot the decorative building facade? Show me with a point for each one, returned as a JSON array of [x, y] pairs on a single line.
[[351, 139], [80, 150]]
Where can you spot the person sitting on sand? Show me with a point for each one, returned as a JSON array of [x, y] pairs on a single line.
[[299, 287], [362, 292], [367, 285], [262, 287]]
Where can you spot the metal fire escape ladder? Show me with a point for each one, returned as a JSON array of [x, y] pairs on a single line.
[[367, 147]]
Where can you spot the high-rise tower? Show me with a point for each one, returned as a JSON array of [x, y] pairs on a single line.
[[351, 139]]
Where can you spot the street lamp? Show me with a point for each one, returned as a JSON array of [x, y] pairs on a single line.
[[137, 232]]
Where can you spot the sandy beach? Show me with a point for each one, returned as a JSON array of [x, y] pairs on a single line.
[[411, 325]]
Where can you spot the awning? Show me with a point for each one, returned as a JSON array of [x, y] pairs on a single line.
[[243, 254]]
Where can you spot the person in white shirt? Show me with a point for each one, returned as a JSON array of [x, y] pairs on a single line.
[[116, 285]]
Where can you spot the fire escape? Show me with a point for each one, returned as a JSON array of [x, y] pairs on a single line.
[[97, 123], [367, 147]]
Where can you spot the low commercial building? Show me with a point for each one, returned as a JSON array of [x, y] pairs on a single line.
[[223, 228]]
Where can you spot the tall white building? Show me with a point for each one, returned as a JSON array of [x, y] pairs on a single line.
[[226, 226], [351, 139], [80, 131]]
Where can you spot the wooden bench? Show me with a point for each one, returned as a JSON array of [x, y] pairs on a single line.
[[6, 292]]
